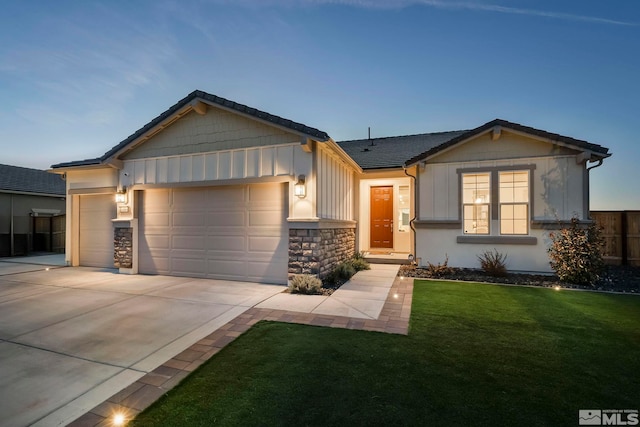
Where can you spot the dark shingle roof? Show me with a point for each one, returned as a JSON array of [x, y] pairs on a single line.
[[600, 151], [213, 99], [15, 178], [392, 152]]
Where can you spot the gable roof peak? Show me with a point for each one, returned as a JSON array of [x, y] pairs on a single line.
[[214, 100], [597, 151]]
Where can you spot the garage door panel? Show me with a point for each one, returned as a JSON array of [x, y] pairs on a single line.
[[184, 266], [188, 242], [231, 218], [226, 243], [264, 218], [264, 244], [220, 232], [266, 193], [191, 219], [221, 197]]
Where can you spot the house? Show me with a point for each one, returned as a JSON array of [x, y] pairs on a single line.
[[213, 188], [32, 211]]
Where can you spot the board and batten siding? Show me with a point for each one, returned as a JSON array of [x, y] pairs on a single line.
[[557, 187], [254, 162], [335, 193]]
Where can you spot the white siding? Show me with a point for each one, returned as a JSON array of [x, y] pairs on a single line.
[[557, 187], [335, 187], [222, 165]]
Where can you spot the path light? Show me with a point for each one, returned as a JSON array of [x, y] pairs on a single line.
[[118, 419], [300, 188], [557, 288]]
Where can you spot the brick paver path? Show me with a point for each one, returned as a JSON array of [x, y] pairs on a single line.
[[132, 400]]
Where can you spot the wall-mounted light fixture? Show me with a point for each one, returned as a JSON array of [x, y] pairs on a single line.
[[300, 188], [121, 195]]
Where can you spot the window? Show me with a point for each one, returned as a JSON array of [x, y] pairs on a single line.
[[496, 201], [403, 208], [514, 202], [476, 190]]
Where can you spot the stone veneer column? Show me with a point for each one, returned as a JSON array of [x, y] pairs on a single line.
[[123, 248], [317, 251]]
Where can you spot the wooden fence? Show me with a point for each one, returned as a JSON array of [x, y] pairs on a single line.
[[621, 231]]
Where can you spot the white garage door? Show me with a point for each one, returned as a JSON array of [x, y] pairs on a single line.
[[96, 230], [231, 232]]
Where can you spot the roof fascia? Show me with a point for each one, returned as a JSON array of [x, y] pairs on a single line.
[[64, 169], [31, 193], [342, 154]]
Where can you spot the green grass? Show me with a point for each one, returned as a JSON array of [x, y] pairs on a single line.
[[476, 355]]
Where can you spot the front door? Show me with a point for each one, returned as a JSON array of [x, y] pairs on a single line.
[[381, 234]]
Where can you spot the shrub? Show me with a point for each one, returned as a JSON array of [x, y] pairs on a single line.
[[359, 264], [576, 253], [439, 270], [358, 256], [344, 270], [493, 263], [305, 284]]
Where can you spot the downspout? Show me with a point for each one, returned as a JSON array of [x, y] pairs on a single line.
[[415, 209], [587, 185]]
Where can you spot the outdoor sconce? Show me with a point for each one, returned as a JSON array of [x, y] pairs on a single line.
[[300, 189], [121, 196]]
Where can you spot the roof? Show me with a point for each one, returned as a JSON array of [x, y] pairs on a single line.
[[598, 150], [393, 152], [26, 180], [210, 99]]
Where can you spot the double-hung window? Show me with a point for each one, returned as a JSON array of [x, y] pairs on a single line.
[[476, 199], [514, 202], [496, 202]]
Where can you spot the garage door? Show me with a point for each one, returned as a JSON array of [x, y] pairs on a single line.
[[231, 232], [96, 230]]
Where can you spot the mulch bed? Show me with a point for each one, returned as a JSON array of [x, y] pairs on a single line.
[[614, 279]]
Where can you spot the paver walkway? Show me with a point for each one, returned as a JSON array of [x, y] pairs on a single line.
[[392, 317]]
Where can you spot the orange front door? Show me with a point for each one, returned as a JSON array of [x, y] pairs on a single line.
[[381, 217]]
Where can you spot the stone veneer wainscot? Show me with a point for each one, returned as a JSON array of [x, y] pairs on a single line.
[[318, 251]]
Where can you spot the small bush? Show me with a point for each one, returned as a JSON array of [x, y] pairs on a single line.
[[359, 264], [358, 256], [305, 284], [439, 270], [576, 253], [493, 263], [344, 270]]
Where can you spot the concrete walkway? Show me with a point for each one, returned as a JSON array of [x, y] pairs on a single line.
[[393, 317], [24, 264], [74, 338]]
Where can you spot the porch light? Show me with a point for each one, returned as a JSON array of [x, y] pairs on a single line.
[[121, 195], [300, 188]]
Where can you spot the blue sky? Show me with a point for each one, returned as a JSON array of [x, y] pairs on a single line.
[[77, 77]]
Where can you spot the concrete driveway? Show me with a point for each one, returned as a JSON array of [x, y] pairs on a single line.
[[70, 337]]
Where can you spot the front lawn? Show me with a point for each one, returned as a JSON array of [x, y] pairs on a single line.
[[476, 354]]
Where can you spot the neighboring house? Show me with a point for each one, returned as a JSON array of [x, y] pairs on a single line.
[[212, 188], [32, 209]]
